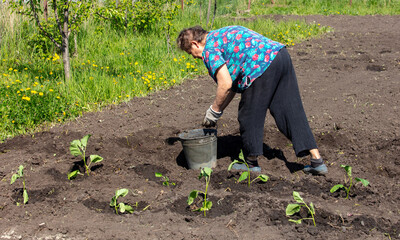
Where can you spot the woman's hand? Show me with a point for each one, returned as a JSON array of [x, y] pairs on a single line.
[[211, 117]]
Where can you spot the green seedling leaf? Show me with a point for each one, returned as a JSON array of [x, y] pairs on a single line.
[[73, 174], [95, 158], [75, 148], [263, 177], [241, 155], [336, 187], [85, 140], [292, 208], [347, 168], [233, 163], [165, 183], [129, 209], [121, 192], [158, 174], [113, 202], [297, 197], [192, 196], [207, 171], [122, 207], [14, 177], [21, 170], [363, 181], [243, 176], [26, 198], [207, 205], [312, 209], [295, 221]]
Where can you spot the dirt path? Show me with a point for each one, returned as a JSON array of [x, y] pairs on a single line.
[[349, 81]]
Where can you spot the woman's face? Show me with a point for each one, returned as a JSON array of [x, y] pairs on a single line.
[[196, 49]]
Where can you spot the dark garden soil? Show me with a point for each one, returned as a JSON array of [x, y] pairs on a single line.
[[350, 83]]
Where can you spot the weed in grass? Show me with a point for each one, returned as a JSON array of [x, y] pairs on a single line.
[[20, 174], [206, 173], [78, 148], [121, 207], [348, 180], [293, 208], [246, 175]]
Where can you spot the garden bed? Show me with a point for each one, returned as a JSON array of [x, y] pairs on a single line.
[[349, 81]]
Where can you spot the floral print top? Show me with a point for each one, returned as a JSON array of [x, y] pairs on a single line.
[[247, 54]]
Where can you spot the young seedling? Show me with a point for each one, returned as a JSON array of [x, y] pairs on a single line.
[[78, 148], [122, 207], [166, 179], [293, 208], [350, 180], [20, 174], [246, 174], [206, 173]]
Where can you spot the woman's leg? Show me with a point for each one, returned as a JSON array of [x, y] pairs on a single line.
[[287, 109]]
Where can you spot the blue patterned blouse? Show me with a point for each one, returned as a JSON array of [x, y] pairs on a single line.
[[247, 54]]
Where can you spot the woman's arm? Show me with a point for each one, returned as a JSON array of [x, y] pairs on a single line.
[[224, 93]]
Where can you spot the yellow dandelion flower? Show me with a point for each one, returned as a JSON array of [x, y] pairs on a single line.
[[26, 98], [51, 90], [58, 97], [40, 94], [33, 92]]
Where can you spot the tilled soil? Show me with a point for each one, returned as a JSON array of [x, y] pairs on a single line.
[[349, 81]]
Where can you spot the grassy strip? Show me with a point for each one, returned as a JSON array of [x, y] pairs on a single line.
[[310, 7], [110, 67]]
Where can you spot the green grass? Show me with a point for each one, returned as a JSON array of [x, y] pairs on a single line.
[[310, 7], [112, 67]]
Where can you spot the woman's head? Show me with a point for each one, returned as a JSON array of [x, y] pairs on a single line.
[[189, 35]]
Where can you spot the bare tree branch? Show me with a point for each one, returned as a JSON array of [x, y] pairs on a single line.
[[76, 14], [41, 27], [98, 14], [56, 16]]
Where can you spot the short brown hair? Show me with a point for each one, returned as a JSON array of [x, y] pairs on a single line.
[[196, 33]]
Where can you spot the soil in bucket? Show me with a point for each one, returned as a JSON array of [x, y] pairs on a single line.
[[200, 147]]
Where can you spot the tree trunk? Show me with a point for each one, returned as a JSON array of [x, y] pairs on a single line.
[[200, 13], [208, 12], [248, 5], [75, 44], [45, 12], [182, 4], [215, 12], [65, 46], [350, 2]]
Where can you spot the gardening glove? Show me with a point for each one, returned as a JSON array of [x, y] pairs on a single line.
[[211, 118]]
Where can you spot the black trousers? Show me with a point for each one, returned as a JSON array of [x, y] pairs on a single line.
[[277, 90]]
